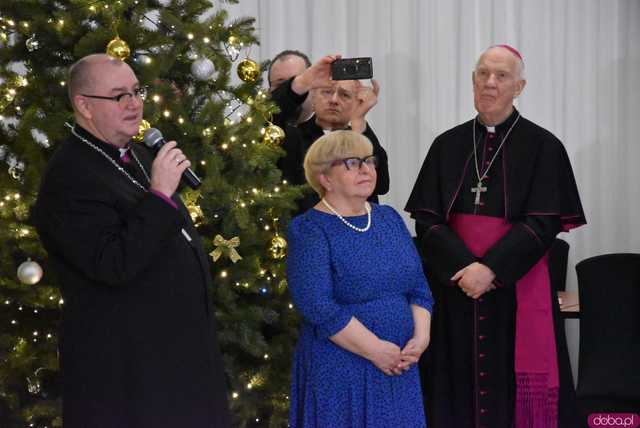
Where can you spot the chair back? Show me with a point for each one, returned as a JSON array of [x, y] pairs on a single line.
[[609, 355], [558, 256]]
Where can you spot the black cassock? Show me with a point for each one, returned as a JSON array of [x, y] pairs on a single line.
[[468, 370], [138, 344]]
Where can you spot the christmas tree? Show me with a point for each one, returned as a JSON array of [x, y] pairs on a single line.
[[185, 52]]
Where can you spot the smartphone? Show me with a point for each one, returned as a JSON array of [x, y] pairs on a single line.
[[352, 69]]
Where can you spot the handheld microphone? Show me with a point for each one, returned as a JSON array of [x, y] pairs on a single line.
[[153, 139]]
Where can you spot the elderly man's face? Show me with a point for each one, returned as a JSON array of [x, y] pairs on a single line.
[[334, 103], [284, 69], [495, 84], [115, 122]]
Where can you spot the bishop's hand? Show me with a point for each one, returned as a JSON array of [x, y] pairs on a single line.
[[167, 169], [475, 279]]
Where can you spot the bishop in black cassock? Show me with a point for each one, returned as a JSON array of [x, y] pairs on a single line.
[[491, 196]]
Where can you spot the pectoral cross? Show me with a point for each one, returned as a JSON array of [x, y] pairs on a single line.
[[477, 190]]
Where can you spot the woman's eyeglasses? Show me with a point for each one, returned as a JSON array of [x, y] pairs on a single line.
[[356, 162]]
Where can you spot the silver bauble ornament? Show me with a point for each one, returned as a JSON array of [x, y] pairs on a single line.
[[29, 272], [202, 69], [40, 138], [11, 160]]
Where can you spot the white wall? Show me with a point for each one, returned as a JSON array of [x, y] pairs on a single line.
[[582, 62]]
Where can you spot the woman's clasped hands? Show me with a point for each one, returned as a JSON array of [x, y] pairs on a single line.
[[391, 360]]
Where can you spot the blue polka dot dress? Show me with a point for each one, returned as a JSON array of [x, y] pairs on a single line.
[[336, 273]]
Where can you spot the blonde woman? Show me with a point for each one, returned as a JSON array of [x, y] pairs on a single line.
[[357, 280]]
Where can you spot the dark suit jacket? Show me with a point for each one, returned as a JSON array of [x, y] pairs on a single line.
[[138, 345]]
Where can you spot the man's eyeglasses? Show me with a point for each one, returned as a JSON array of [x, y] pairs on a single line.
[[124, 98], [356, 163]]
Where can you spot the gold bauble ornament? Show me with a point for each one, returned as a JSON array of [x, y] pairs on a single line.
[[29, 272], [144, 125], [273, 134], [190, 199], [118, 48], [197, 216], [248, 70], [278, 247]]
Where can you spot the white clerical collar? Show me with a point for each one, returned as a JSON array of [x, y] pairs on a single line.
[[491, 129], [327, 131]]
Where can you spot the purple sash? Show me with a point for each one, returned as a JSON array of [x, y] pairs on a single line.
[[536, 363]]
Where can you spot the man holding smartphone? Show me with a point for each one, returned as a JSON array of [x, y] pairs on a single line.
[[338, 104]]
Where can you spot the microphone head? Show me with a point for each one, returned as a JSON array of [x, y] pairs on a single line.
[[153, 138]]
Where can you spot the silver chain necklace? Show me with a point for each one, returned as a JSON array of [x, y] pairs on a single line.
[[479, 188], [113, 162], [357, 229]]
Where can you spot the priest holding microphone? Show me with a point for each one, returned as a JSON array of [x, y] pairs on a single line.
[[138, 344]]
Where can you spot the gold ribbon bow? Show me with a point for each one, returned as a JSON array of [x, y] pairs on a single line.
[[227, 247]]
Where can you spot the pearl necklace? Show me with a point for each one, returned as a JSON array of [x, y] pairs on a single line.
[[113, 162], [357, 229]]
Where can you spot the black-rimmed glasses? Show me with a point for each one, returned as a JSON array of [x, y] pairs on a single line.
[[124, 98], [356, 162]]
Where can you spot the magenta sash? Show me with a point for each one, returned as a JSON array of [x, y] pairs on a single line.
[[536, 363]]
